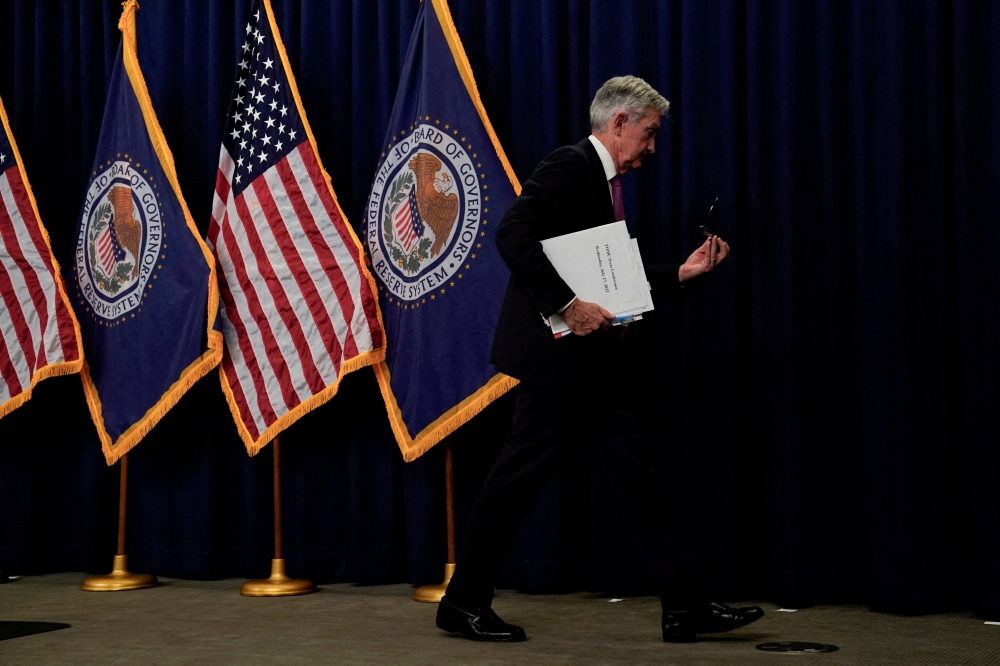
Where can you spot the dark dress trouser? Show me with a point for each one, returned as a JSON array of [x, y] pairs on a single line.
[[622, 448]]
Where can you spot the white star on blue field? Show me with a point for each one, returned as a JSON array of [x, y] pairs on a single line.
[[263, 124]]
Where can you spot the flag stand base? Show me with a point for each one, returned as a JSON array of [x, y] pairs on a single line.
[[119, 580], [3, 578], [433, 594], [278, 585]]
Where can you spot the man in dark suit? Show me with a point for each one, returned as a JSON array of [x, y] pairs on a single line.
[[581, 376]]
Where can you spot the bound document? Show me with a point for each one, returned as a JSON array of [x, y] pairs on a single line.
[[601, 265]]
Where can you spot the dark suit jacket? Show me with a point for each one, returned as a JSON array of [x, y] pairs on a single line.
[[567, 192]]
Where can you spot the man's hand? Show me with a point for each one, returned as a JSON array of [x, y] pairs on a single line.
[[583, 317], [705, 259]]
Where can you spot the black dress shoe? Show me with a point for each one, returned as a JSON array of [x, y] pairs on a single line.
[[479, 625], [681, 626]]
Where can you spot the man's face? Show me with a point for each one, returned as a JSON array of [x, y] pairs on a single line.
[[636, 140]]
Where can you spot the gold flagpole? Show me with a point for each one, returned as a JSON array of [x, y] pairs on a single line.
[[278, 585], [434, 593], [120, 578]]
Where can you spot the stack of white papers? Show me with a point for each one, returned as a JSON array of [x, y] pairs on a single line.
[[601, 265]]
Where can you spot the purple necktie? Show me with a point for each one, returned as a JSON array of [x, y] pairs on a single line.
[[616, 198]]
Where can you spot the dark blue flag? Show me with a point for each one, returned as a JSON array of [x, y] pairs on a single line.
[[145, 290], [442, 181]]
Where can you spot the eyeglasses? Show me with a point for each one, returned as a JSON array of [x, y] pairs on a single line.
[[706, 228]]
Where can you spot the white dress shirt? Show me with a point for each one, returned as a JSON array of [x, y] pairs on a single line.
[[606, 160]]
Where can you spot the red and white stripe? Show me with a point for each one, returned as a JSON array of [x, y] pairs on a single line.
[[106, 249], [295, 303], [404, 226], [36, 326]]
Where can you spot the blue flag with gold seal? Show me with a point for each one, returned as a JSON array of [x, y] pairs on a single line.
[[145, 290], [442, 181]]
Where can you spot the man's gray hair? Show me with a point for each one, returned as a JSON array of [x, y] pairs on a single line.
[[624, 93]]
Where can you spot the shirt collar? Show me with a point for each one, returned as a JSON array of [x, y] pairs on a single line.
[[606, 160]]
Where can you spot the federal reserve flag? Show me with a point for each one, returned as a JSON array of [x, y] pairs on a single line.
[[442, 181], [39, 336], [298, 303], [145, 290]]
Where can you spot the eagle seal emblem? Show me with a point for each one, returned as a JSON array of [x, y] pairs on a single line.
[[423, 213], [119, 241]]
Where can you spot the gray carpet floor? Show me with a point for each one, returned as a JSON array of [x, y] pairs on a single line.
[[197, 622]]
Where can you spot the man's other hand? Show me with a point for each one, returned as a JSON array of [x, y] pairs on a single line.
[[583, 317], [705, 259]]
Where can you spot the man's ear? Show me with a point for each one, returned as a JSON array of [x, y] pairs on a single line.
[[619, 120]]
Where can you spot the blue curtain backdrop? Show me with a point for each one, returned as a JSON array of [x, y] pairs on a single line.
[[827, 401]]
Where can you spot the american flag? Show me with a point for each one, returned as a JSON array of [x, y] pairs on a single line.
[[297, 303], [409, 226], [38, 333]]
